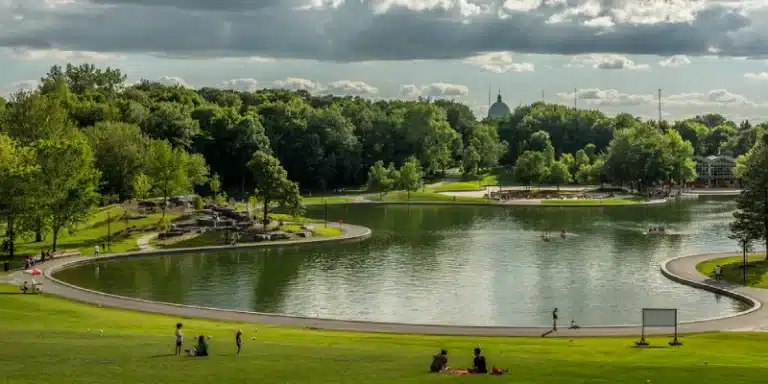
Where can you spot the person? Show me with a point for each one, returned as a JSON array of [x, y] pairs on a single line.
[[718, 272], [439, 362], [574, 325], [202, 346], [96, 250], [25, 287], [239, 340], [179, 338], [563, 233], [554, 320], [478, 363]]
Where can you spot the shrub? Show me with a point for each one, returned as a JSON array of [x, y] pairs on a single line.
[[197, 202]]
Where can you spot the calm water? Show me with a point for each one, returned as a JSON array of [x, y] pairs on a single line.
[[451, 265]]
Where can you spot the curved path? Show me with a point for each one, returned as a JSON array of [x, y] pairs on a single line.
[[682, 269]]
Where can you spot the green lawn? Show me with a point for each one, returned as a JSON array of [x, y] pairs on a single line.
[[333, 199], [627, 201], [757, 270], [92, 232], [495, 177], [47, 340], [402, 196]]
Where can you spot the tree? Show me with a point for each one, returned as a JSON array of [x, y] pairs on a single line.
[[559, 174], [68, 182], [531, 168], [272, 184], [120, 150], [751, 219], [214, 184], [31, 116], [173, 171], [18, 173], [470, 161], [744, 236], [379, 178], [679, 158], [141, 186], [410, 176]]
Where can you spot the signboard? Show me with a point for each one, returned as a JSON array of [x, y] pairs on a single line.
[[659, 317]]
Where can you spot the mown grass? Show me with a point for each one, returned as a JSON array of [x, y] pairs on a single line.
[[499, 176], [627, 201], [92, 232], [403, 196], [757, 270], [51, 340], [310, 200]]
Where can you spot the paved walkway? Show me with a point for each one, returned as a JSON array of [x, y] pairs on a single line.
[[143, 242], [680, 269]]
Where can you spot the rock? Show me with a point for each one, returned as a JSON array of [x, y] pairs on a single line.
[[304, 234], [279, 236]]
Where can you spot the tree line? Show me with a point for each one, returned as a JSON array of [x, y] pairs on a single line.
[[114, 141]]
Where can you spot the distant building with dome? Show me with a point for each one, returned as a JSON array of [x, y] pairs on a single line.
[[498, 109]]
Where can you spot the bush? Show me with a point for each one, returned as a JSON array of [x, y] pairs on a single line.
[[197, 202]]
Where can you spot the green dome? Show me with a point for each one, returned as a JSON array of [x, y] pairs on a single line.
[[498, 109]]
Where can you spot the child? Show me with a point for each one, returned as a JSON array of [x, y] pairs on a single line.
[[179, 338], [239, 340]]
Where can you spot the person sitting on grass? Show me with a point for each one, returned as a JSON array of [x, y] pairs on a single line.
[[25, 287], [202, 346], [439, 362], [478, 363]]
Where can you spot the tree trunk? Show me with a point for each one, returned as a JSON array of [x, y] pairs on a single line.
[[55, 233], [165, 201], [11, 237], [765, 220], [38, 230], [266, 213]]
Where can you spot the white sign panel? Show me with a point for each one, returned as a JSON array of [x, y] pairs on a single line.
[[658, 317]]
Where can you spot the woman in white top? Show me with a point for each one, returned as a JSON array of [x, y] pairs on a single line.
[[179, 338]]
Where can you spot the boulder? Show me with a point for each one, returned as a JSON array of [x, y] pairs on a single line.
[[304, 234]]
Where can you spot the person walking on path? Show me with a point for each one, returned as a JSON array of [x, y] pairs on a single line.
[[239, 340], [718, 272], [554, 320], [179, 338], [96, 251]]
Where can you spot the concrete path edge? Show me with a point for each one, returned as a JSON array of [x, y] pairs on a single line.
[[737, 321]]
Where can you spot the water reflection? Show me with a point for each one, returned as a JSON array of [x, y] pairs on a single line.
[[451, 265]]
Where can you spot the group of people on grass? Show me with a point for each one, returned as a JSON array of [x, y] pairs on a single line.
[[201, 348], [479, 365]]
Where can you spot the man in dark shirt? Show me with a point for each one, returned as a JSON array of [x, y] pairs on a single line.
[[478, 364], [239, 340], [554, 320], [439, 362]]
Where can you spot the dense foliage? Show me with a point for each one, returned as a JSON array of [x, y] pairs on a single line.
[[150, 140]]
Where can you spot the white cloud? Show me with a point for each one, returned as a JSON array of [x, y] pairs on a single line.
[[56, 54], [675, 61], [173, 80], [499, 62], [615, 98], [434, 90], [296, 83], [351, 88], [244, 85], [756, 75], [607, 61]]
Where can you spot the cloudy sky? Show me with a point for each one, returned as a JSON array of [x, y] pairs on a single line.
[[706, 55]]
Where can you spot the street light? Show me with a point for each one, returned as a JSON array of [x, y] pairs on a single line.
[[325, 204]]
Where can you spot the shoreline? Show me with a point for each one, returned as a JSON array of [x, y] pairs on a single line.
[[680, 269]]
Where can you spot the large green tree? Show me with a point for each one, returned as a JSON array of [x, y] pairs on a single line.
[[18, 175], [68, 182], [272, 184], [410, 176], [751, 219], [173, 171], [120, 150]]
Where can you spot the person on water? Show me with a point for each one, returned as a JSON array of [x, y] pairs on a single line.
[[563, 233]]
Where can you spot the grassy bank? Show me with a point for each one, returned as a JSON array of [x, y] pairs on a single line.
[[628, 201], [48, 341], [499, 176], [403, 196], [332, 199], [94, 231], [292, 225], [757, 270]]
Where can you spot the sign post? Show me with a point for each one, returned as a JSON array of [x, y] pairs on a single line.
[[659, 318]]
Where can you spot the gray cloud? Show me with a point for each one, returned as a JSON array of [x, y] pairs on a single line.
[[338, 30]]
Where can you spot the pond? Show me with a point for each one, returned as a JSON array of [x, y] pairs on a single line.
[[458, 265]]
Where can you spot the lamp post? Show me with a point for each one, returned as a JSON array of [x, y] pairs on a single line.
[[325, 205]]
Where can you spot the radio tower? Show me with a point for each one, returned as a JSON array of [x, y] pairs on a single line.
[[659, 106]]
